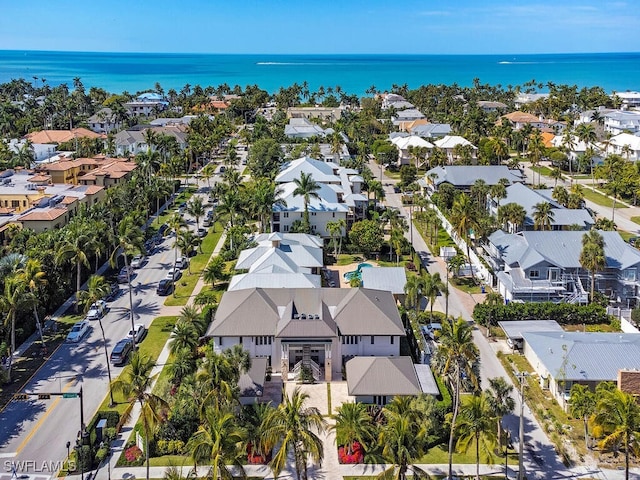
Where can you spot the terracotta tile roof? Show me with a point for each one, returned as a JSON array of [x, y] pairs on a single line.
[[39, 215], [40, 178], [6, 211], [546, 139], [59, 166], [61, 136], [93, 189], [521, 117], [68, 200]]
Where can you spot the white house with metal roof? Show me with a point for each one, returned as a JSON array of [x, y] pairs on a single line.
[[563, 218], [562, 359], [431, 130], [319, 328], [463, 177], [545, 266], [405, 146], [451, 143], [303, 128], [625, 145]]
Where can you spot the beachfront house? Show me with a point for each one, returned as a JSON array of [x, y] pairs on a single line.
[[316, 328], [146, 104], [617, 122], [134, 141], [536, 266], [629, 100]]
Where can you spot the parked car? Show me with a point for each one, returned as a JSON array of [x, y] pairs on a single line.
[[182, 262], [78, 331], [138, 333], [165, 287], [121, 351], [97, 310], [173, 274], [122, 276], [113, 294], [207, 222], [202, 232], [138, 261]]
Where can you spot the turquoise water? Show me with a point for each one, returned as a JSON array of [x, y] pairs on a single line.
[[117, 72]]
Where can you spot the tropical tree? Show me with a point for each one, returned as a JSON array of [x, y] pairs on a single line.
[[536, 150], [215, 271], [457, 355], [513, 214], [307, 188], [475, 427], [592, 256], [196, 209], [336, 230], [135, 385], [464, 218], [296, 427], [582, 404], [353, 424], [501, 401], [543, 216], [560, 195], [76, 244], [618, 414], [433, 286], [11, 302], [33, 279], [414, 292], [264, 197], [257, 421], [218, 443]]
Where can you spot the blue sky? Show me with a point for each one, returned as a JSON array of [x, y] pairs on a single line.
[[329, 26]]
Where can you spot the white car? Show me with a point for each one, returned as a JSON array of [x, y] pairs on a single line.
[[182, 262], [173, 274], [138, 333], [78, 331], [97, 310], [138, 261]]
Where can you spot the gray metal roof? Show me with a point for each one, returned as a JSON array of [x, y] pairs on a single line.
[[251, 383], [586, 356], [465, 176], [295, 257], [367, 376], [392, 279], [266, 311], [271, 280], [426, 379], [515, 329], [560, 248]]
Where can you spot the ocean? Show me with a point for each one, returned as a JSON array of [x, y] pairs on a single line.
[[132, 72]]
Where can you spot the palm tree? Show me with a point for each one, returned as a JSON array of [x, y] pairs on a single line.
[[414, 291], [192, 314], [560, 195], [258, 419], [307, 188], [183, 337], [475, 427], [433, 286], [543, 216], [618, 414], [491, 299], [513, 214], [129, 240], [11, 302], [75, 246], [217, 443], [592, 256], [501, 401], [135, 385], [196, 209], [34, 278], [582, 404], [97, 288], [353, 424], [464, 218], [296, 428], [215, 271], [457, 354], [336, 230], [536, 150], [264, 197]]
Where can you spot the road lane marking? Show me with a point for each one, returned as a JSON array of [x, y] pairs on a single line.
[[8, 454], [44, 417]]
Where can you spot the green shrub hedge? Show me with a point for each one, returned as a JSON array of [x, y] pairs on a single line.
[[563, 313]]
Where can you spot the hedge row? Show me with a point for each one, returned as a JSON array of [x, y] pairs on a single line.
[[563, 313]]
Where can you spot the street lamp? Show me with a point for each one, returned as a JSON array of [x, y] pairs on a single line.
[[521, 377], [68, 453]]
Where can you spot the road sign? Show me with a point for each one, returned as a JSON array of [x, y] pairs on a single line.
[[44, 396], [70, 395], [21, 396]]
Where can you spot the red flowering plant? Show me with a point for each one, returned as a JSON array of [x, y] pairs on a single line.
[[356, 455], [132, 454], [256, 458]]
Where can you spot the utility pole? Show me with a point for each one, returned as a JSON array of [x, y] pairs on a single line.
[[521, 376]]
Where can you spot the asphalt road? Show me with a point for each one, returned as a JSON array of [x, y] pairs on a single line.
[[36, 431]]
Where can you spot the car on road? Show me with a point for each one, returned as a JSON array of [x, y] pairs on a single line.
[[173, 274], [97, 310], [165, 287], [207, 222], [121, 351], [78, 331], [122, 275], [202, 232], [138, 261], [113, 293], [138, 333], [182, 262]]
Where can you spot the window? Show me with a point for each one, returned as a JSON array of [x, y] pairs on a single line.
[[276, 217], [333, 214], [285, 228], [380, 399], [534, 273], [392, 340], [554, 274], [240, 340], [285, 214], [629, 274], [262, 340], [350, 340], [313, 214], [373, 339], [15, 203]]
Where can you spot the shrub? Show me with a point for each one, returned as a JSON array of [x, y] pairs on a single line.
[[133, 454], [357, 454], [563, 313], [170, 447]]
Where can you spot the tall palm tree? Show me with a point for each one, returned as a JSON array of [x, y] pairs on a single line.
[[501, 401], [11, 302], [582, 404], [75, 247], [336, 230], [97, 288], [592, 256], [33, 278], [296, 427], [475, 427], [196, 209], [135, 385], [560, 195], [536, 150], [457, 354], [543, 216], [618, 414], [464, 219], [265, 195], [258, 418], [218, 443], [433, 286], [129, 240], [183, 337], [307, 188], [414, 291], [513, 214], [353, 424]]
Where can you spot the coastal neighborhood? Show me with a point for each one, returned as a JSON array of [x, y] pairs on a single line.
[[226, 282]]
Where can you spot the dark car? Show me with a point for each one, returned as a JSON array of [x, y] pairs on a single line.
[[165, 287], [163, 228], [112, 295], [121, 351]]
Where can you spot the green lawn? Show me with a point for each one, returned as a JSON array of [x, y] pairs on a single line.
[[635, 220], [185, 286], [467, 285], [183, 196], [151, 346], [600, 199], [545, 171]]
